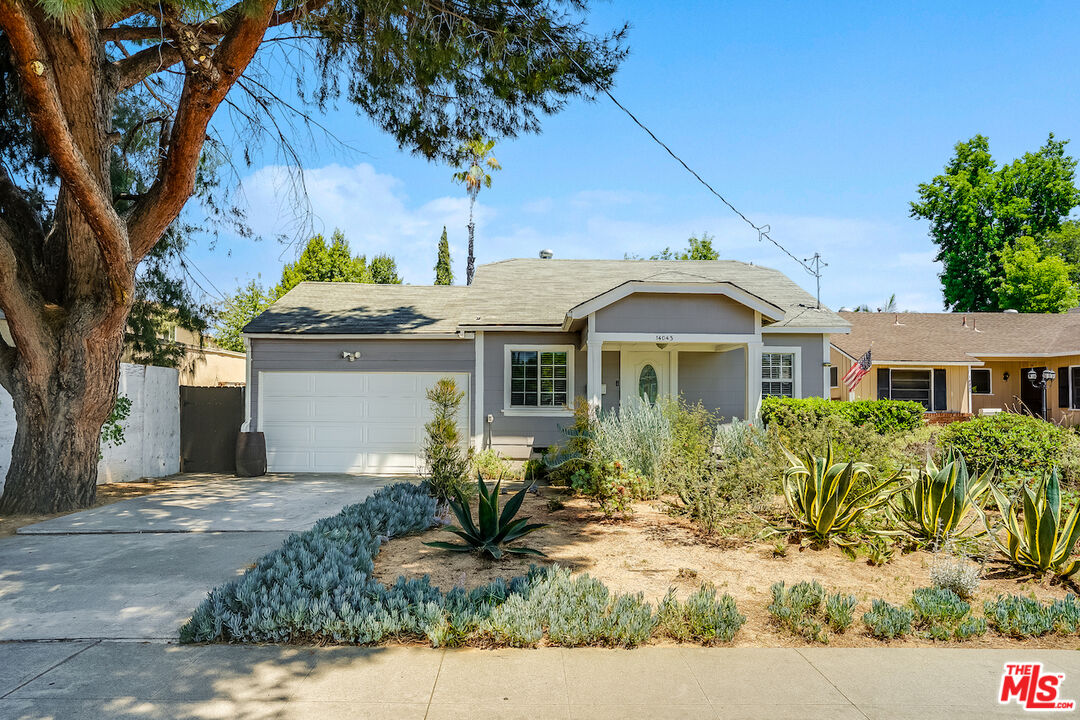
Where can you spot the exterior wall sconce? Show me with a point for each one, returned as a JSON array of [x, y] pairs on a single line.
[[1005, 376]]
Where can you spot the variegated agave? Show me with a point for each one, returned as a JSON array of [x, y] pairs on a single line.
[[492, 529], [1040, 541], [934, 506], [819, 493]]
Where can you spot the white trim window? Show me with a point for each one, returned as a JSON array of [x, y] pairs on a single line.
[[981, 381], [1074, 387], [834, 377], [780, 371], [538, 377]]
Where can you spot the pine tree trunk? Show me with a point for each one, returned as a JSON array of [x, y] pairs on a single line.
[[470, 266], [60, 412]]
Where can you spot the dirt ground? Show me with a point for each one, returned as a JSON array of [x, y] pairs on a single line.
[[106, 495], [652, 551]]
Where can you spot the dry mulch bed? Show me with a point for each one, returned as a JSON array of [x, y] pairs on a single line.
[[107, 494], [651, 551]]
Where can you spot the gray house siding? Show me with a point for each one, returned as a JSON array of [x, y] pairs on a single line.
[[513, 435], [813, 357], [666, 313], [314, 355], [718, 380]]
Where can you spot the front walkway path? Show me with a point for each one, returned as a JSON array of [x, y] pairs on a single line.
[[104, 679]]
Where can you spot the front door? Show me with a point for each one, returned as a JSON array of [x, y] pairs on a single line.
[[1033, 398], [644, 374]]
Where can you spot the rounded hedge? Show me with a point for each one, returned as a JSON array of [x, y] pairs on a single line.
[[1016, 444]]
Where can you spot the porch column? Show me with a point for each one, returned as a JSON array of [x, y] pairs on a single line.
[[753, 379], [592, 366]]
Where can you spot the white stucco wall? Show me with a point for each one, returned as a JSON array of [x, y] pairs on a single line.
[[151, 432]]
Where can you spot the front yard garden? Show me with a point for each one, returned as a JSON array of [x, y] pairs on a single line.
[[849, 524]]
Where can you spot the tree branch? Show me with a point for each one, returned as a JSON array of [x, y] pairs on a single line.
[[48, 119], [22, 307], [135, 68], [203, 92]]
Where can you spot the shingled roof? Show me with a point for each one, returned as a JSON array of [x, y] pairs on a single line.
[[510, 293], [958, 337]]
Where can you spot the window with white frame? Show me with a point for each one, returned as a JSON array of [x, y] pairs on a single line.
[[539, 377], [1074, 387], [778, 374], [834, 377], [980, 381]]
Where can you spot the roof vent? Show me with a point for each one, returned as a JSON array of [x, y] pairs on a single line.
[[1012, 311], [546, 254]]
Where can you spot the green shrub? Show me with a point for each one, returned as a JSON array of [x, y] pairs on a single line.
[[1018, 616], [940, 614], [490, 465], [1014, 444], [885, 620], [883, 416], [610, 485], [1066, 613], [447, 462], [798, 609], [840, 611], [702, 618], [638, 435]]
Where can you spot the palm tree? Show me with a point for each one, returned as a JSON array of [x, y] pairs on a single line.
[[476, 160]]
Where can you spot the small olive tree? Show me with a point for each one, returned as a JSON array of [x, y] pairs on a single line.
[[447, 463]]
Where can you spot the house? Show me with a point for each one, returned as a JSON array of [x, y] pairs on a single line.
[[203, 363], [961, 364], [337, 372]]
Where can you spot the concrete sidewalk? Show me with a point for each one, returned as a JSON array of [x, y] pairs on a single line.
[[102, 679]]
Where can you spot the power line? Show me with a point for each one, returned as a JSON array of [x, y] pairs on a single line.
[[185, 261], [763, 231]]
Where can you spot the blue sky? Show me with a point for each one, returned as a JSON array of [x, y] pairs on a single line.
[[818, 119]]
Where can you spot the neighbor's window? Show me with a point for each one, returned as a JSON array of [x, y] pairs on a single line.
[[538, 378], [912, 385], [834, 377], [980, 381], [1074, 385], [778, 374]]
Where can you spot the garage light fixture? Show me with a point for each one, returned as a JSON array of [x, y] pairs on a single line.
[[350, 356]]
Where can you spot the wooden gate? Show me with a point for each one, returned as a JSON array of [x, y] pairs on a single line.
[[210, 418]]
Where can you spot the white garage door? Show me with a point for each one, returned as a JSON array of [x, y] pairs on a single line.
[[349, 422]]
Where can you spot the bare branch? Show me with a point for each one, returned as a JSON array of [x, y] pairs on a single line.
[[22, 307], [48, 119]]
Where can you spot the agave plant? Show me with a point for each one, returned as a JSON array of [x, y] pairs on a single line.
[[1040, 541], [492, 529], [934, 505], [819, 495]]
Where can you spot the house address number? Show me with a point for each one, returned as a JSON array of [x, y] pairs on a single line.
[[664, 338]]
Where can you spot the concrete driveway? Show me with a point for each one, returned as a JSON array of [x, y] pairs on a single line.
[[137, 568]]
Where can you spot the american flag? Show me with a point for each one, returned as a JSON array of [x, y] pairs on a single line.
[[857, 371]]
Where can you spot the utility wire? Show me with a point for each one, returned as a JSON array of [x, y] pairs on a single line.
[[763, 231], [185, 261]]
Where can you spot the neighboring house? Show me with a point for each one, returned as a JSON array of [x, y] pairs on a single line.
[[964, 364], [204, 364], [338, 372]]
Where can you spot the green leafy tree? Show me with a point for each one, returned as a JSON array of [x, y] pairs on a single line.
[[1035, 282], [976, 210], [696, 249], [431, 74], [238, 310], [384, 271], [1065, 243], [444, 274], [474, 160], [320, 262]]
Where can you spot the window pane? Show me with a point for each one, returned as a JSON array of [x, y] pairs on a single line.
[[560, 386], [980, 381], [560, 399], [778, 389], [1074, 386], [517, 386], [530, 398], [648, 384], [517, 399], [911, 385]]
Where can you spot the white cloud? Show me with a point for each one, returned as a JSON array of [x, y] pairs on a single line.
[[371, 208]]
